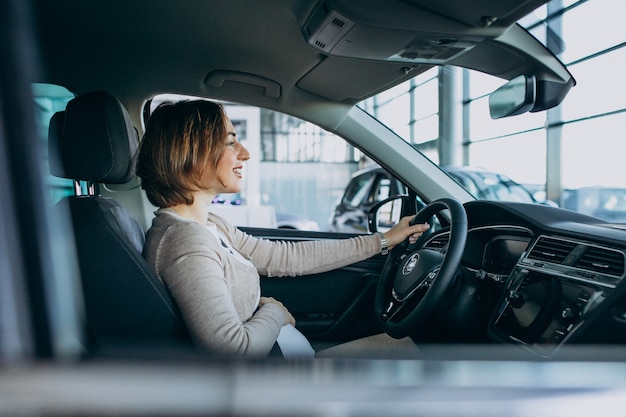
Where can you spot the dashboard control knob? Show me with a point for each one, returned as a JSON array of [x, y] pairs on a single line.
[[567, 313], [516, 300]]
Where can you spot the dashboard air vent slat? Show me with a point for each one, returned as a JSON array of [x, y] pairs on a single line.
[[602, 260], [551, 250], [439, 242]]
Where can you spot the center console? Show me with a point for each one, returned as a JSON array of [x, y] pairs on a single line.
[[553, 289]]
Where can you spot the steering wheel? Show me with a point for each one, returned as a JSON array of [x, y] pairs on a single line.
[[414, 281]]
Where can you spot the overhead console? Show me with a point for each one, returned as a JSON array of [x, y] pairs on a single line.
[[362, 30], [399, 39], [555, 287]]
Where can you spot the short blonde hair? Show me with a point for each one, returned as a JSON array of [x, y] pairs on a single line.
[[181, 141]]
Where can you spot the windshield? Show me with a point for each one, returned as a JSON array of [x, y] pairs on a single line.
[[444, 114]]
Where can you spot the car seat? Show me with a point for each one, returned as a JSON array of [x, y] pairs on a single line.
[[126, 304]]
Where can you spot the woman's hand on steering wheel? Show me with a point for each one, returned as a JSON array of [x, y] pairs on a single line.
[[405, 230]]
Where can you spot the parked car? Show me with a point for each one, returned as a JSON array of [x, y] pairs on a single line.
[[366, 188], [606, 203], [288, 221], [487, 185], [518, 309], [372, 185]]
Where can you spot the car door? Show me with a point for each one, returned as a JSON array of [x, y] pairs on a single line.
[[330, 307]]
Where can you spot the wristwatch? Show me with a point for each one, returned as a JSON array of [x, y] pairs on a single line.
[[383, 244]]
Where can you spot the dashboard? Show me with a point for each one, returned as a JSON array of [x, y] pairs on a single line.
[[558, 276]]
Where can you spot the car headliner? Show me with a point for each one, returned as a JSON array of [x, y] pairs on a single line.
[[235, 50]]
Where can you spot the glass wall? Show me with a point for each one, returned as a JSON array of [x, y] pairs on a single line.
[[575, 147]]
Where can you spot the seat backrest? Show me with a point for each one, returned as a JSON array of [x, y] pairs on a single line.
[[94, 141]]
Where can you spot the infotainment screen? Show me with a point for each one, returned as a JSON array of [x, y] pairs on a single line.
[[501, 254]]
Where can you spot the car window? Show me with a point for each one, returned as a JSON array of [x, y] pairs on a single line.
[[296, 174], [49, 99], [382, 189]]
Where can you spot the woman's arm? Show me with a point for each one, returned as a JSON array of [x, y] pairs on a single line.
[[193, 268], [310, 257]]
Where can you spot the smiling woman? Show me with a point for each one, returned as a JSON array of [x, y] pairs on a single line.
[[188, 155]]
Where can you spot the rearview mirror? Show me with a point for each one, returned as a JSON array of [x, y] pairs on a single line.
[[515, 97]]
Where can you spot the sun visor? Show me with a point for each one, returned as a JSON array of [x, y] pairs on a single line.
[[348, 80]]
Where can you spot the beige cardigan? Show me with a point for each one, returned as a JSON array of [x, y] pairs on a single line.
[[218, 294]]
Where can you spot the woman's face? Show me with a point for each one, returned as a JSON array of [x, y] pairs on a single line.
[[228, 175]]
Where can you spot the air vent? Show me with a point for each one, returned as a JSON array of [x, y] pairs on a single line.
[[551, 250], [438, 242], [326, 28], [602, 260], [338, 22], [592, 262]]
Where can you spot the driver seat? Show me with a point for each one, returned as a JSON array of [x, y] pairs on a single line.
[[126, 304]]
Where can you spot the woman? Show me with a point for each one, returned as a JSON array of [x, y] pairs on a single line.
[[189, 154]]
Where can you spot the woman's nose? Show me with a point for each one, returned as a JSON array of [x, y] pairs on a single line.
[[243, 154]]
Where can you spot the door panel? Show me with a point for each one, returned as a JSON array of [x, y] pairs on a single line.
[[331, 307]]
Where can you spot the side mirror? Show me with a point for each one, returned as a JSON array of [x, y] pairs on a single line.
[[386, 213], [515, 97]]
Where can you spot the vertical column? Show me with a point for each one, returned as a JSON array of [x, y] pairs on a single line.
[[554, 180], [450, 116]]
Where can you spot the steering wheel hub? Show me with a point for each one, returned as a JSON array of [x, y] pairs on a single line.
[[410, 263], [414, 272]]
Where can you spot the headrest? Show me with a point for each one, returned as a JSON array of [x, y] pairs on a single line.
[[55, 131], [93, 140]]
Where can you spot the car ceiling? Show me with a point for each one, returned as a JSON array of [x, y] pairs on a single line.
[[235, 49]]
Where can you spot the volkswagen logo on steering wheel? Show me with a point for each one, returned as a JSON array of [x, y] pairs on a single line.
[[410, 264]]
